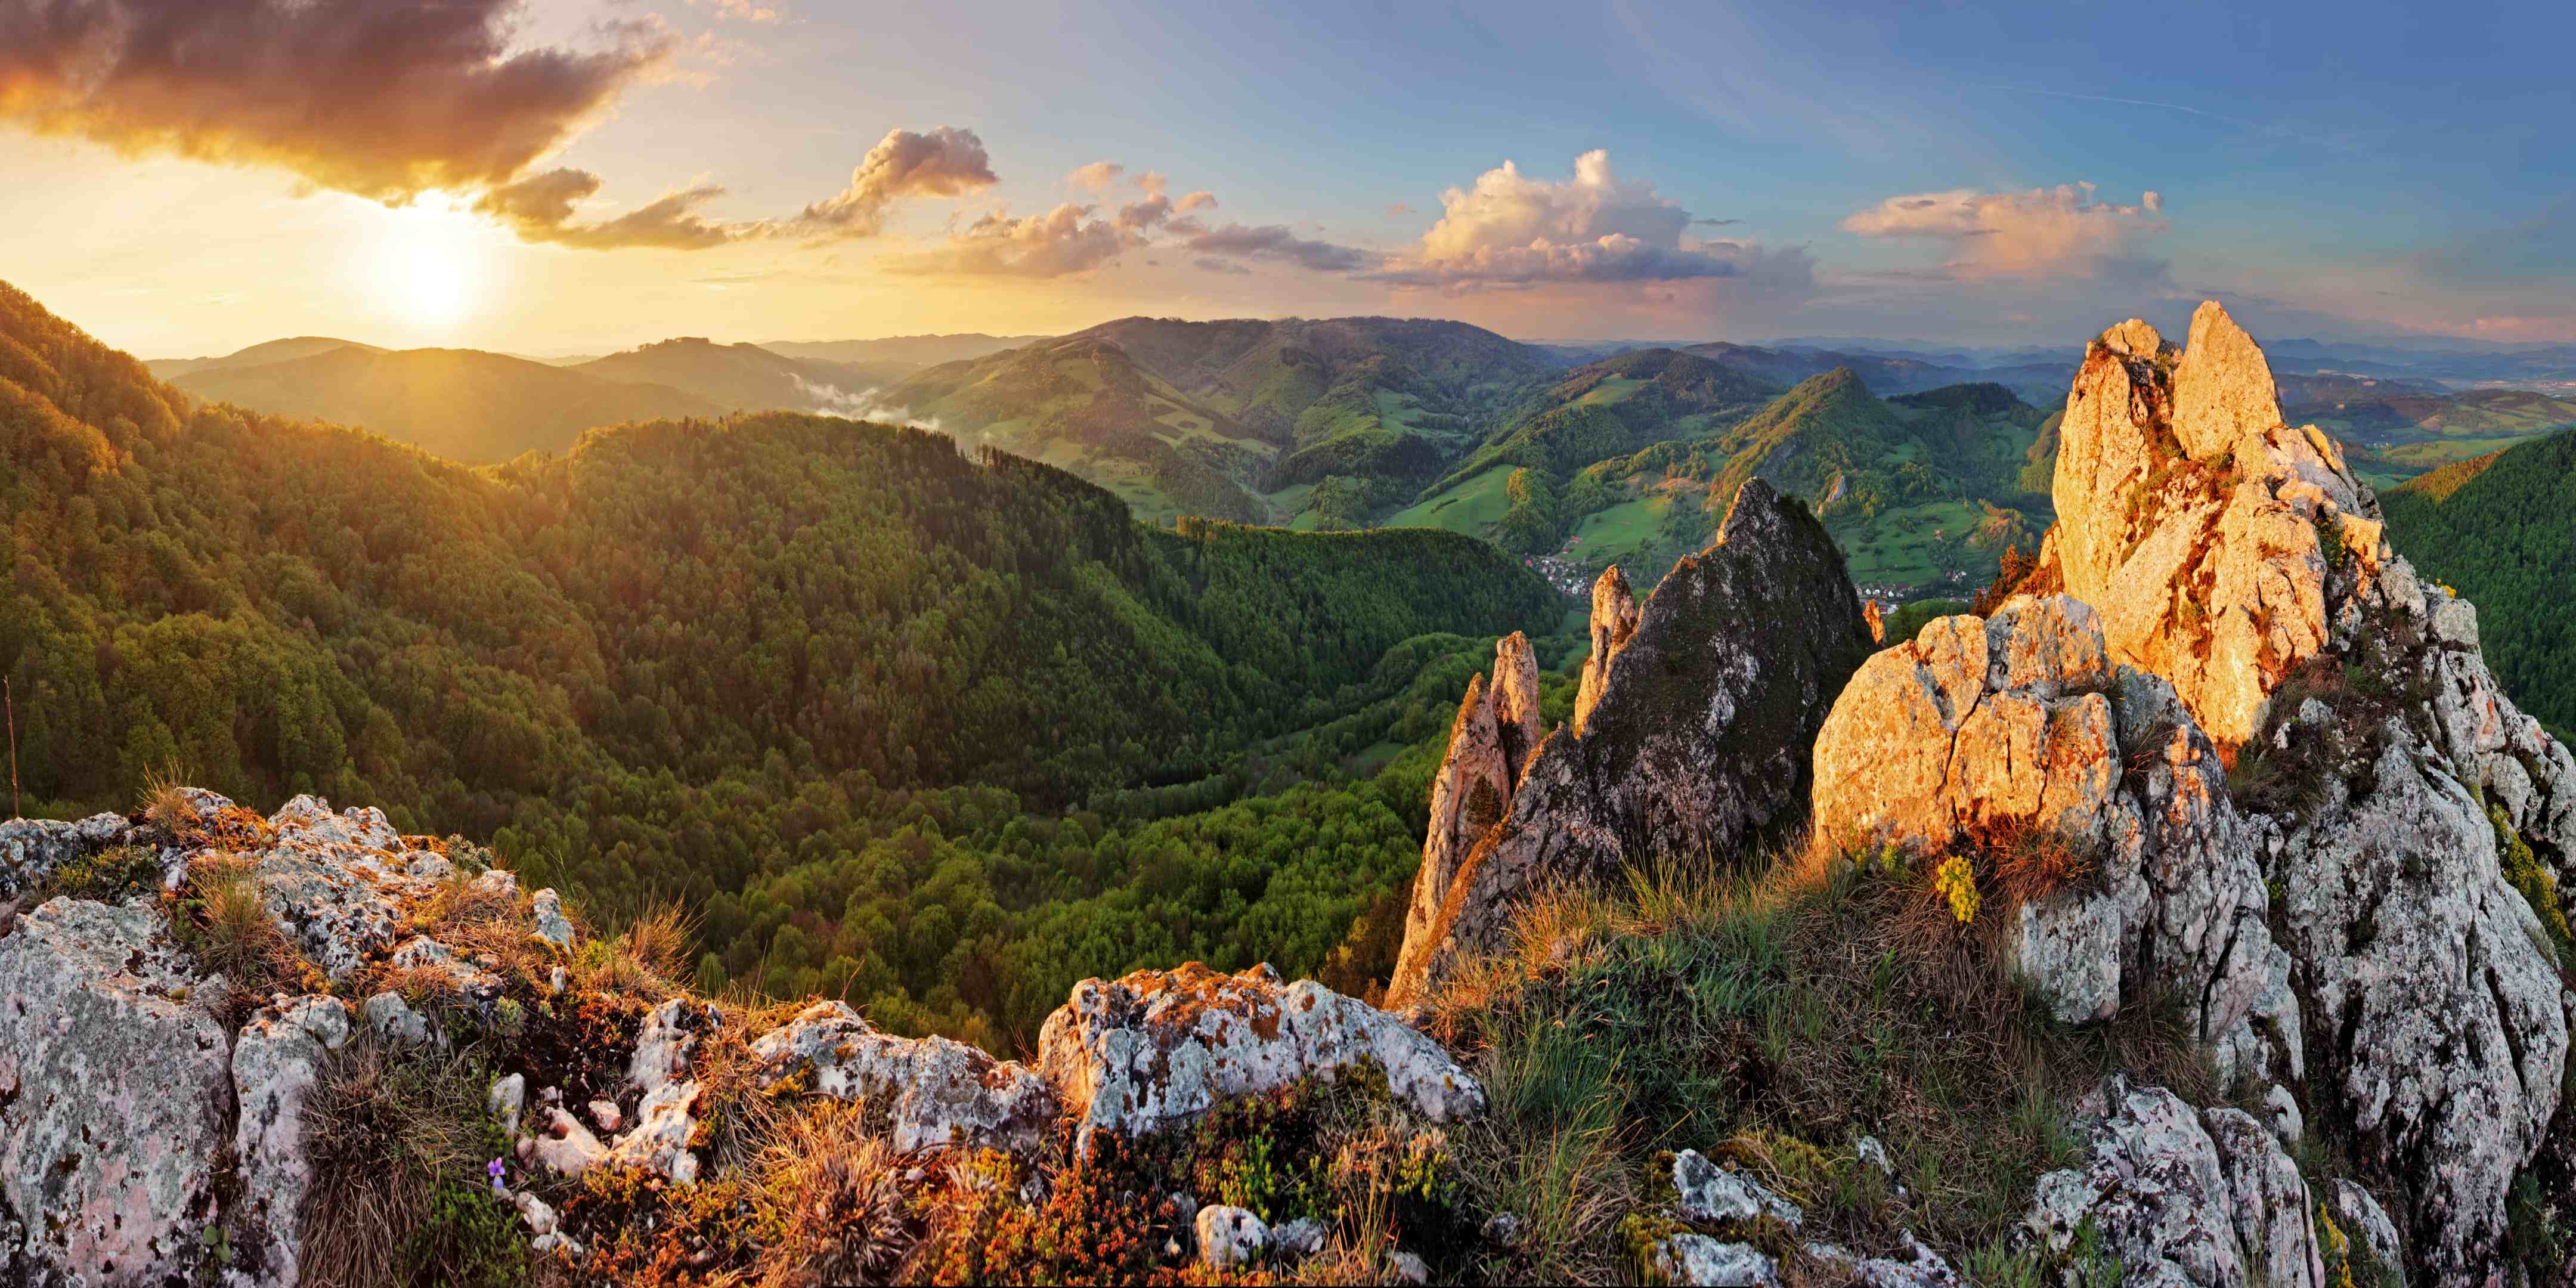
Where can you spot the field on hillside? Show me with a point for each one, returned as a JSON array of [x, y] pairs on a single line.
[[1916, 545], [1472, 507]]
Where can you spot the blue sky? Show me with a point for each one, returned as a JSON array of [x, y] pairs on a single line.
[[1908, 171]]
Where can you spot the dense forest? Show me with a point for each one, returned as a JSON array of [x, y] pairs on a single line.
[[2501, 530], [895, 721]]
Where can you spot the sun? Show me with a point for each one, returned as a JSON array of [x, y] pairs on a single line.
[[425, 267]]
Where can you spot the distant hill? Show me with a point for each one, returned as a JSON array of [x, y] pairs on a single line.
[[1082, 403], [2501, 529], [1242, 418], [746, 376], [257, 355], [2042, 381], [910, 351], [462, 404]]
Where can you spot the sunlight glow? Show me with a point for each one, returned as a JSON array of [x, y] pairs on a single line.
[[426, 269]]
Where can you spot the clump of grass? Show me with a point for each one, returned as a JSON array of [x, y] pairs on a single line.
[[223, 919], [398, 1143], [832, 1202], [166, 805], [1781, 1020]]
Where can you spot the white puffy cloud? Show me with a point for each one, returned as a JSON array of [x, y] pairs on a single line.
[[1509, 230], [2016, 234]]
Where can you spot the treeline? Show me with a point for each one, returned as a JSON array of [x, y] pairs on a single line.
[[2506, 539], [689, 659]]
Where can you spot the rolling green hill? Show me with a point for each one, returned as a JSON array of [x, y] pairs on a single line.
[[458, 403], [1922, 491], [1083, 403], [2501, 530], [2406, 430], [939, 733]]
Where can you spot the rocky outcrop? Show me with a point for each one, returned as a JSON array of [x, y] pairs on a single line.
[[1614, 622], [2412, 1006], [2182, 1196], [934, 1091], [2018, 732], [1161, 1047], [2221, 547], [1490, 741], [116, 1089], [1706, 701]]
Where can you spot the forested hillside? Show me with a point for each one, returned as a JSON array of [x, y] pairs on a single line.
[[765, 665], [458, 403], [2502, 531]]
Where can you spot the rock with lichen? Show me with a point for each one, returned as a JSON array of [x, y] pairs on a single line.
[[1703, 705], [1155, 1048]]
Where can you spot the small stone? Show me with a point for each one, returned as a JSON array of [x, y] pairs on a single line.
[[1503, 1228], [533, 1210], [1702, 1262], [605, 1113], [1408, 1268], [1301, 1238], [507, 1100], [552, 926], [557, 980], [1230, 1238], [2287, 1122], [392, 1019], [1711, 1194]]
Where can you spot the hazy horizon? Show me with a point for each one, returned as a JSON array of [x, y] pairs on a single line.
[[572, 176]]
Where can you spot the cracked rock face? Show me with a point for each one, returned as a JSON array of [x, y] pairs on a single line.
[[114, 1091], [2020, 722], [277, 1059], [2182, 1196], [1161, 1047], [339, 883], [31, 848], [934, 1091], [2448, 1025], [1698, 735], [2411, 994], [1491, 740]]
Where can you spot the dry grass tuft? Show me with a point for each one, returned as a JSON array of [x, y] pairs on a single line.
[[226, 922], [832, 1202], [166, 805]]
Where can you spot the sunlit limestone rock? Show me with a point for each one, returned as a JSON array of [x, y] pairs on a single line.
[[2182, 1196], [1978, 731], [277, 1061], [1496, 730], [1713, 1194], [1230, 1238], [341, 883], [1160, 1047], [1706, 701], [2235, 558], [660, 1073], [933, 1091], [115, 1090], [1614, 622], [2221, 547]]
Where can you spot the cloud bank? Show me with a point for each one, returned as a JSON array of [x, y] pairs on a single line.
[[2015, 234], [384, 100]]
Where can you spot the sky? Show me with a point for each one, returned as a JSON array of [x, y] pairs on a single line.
[[186, 177]]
